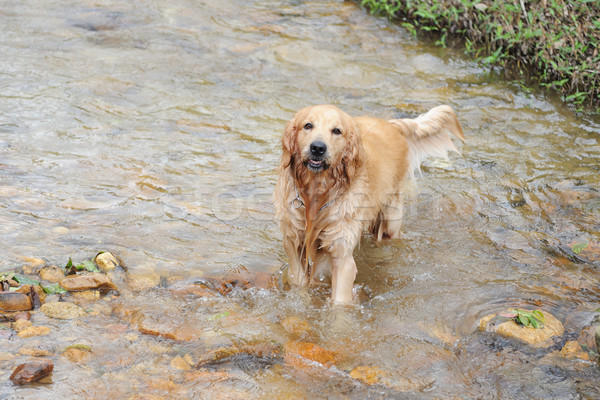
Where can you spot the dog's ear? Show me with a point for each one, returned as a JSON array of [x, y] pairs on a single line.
[[353, 152], [288, 142]]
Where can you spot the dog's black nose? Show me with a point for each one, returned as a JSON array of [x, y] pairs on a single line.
[[318, 148]]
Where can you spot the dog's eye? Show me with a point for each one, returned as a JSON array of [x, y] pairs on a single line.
[[336, 131], [308, 126]]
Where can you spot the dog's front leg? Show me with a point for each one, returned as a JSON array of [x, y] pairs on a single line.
[[296, 273], [343, 273]]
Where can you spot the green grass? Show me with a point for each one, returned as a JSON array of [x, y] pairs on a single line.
[[556, 42]]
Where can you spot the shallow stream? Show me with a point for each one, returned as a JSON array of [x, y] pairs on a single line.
[[151, 130]]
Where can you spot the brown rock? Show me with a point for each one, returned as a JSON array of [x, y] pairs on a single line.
[[35, 292], [180, 363], [23, 315], [184, 332], [89, 281], [309, 351], [13, 301], [241, 278], [33, 331], [62, 310], [193, 289], [32, 265], [139, 282], [263, 350], [572, 349], [106, 262], [87, 295], [21, 324], [366, 374], [534, 337], [32, 371], [78, 354], [34, 352], [297, 327], [52, 273]]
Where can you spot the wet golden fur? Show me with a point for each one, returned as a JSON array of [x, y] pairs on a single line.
[[324, 205]]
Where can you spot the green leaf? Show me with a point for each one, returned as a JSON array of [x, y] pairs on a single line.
[[578, 247], [25, 280], [79, 346], [535, 323], [523, 320], [88, 266], [538, 314], [53, 289], [5, 276], [69, 264]]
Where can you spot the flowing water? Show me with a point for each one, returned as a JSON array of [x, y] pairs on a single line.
[[151, 129]]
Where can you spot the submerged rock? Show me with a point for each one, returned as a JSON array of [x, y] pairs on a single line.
[[572, 349], [509, 328], [12, 301], [181, 363], [21, 324], [62, 310], [94, 280], [367, 374], [309, 351], [52, 273], [34, 352], [33, 331], [193, 289], [297, 328], [260, 349], [139, 282], [32, 371], [78, 354]]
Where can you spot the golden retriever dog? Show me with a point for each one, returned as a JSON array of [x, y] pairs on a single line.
[[341, 175]]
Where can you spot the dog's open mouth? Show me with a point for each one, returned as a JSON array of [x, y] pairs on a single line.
[[316, 165]]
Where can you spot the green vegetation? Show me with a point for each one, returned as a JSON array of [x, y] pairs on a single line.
[[555, 42], [534, 319]]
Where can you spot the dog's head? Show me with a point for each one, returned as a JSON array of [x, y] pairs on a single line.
[[320, 137]]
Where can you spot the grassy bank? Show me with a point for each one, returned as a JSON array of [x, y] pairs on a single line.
[[555, 42]]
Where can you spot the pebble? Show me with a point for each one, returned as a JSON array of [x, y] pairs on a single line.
[[32, 371], [52, 273], [89, 281], [61, 230], [23, 315], [62, 310], [106, 262], [21, 324], [12, 301], [77, 355], [309, 351], [34, 352], [33, 331]]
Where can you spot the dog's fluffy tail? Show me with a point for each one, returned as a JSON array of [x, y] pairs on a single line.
[[427, 135]]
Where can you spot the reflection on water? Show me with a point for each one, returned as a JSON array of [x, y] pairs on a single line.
[[152, 129]]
